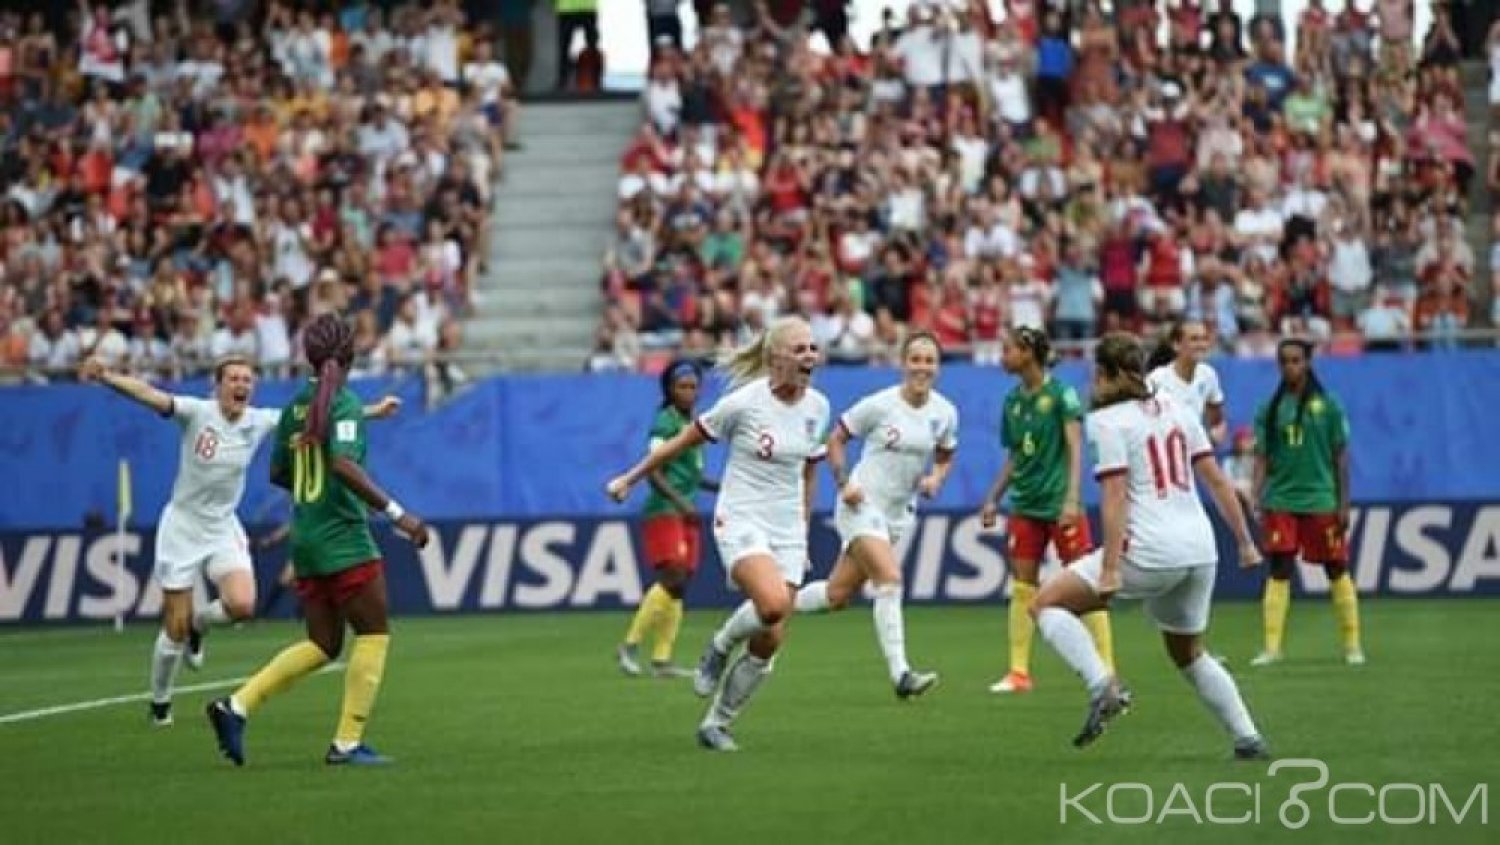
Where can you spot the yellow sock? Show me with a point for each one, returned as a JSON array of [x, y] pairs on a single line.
[[668, 620], [1104, 639], [1021, 626], [1278, 601], [1346, 610], [294, 662], [645, 615], [361, 683]]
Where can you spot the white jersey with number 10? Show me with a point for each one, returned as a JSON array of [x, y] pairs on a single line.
[[1154, 442]]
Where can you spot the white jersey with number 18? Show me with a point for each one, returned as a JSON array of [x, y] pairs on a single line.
[[1154, 442]]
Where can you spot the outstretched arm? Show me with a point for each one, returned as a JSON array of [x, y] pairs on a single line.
[[387, 407], [684, 440], [133, 388]]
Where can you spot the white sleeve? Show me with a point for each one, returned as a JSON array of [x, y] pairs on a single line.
[[1110, 456], [1215, 392], [1198, 443], [186, 409], [718, 422], [265, 421], [820, 451], [860, 419], [948, 440]]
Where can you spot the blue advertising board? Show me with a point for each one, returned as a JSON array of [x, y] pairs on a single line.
[[1397, 549]]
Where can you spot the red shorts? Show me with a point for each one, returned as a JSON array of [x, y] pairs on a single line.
[[338, 588], [1029, 538], [1314, 536], [672, 540]]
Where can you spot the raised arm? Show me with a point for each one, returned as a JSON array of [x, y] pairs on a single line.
[[128, 386], [690, 436]]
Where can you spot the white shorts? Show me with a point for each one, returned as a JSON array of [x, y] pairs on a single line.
[[1177, 599], [182, 548], [872, 520], [737, 540]]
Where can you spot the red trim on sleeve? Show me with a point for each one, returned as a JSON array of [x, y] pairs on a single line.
[[1206, 453], [1109, 472], [703, 430]]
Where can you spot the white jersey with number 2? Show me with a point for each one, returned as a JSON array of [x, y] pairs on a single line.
[[1154, 442], [899, 442]]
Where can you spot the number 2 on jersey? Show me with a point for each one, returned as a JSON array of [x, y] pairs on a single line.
[[308, 471], [1170, 469]]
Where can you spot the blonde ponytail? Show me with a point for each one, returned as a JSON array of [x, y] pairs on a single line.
[[747, 363]]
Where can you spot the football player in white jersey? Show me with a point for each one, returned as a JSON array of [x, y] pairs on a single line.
[[1147, 449], [198, 528], [906, 428], [774, 424], [1177, 369]]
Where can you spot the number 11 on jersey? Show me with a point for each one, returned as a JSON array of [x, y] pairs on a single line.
[[307, 473]]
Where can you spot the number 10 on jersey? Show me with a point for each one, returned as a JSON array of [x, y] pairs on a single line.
[[1169, 470], [308, 472]]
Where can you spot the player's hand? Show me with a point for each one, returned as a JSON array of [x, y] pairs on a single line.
[[1109, 582], [1071, 512], [851, 494], [989, 515], [1250, 556], [618, 488], [929, 486], [414, 528], [388, 406], [92, 369]]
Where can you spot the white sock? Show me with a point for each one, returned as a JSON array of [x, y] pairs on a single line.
[[1070, 639], [1217, 689], [740, 682], [166, 656], [890, 629], [211, 614], [813, 598], [741, 625]]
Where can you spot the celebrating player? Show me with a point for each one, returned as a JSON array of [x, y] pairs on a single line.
[[1147, 449], [1302, 486], [198, 528], [319, 455], [1177, 369], [1043, 438], [774, 423], [672, 528], [905, 427]]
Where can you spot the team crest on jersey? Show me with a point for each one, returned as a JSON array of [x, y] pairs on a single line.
[[1044, 404], [1315, 405], [934, 425], [812, 427]]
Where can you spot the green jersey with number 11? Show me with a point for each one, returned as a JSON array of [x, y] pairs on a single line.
[[330, 523]]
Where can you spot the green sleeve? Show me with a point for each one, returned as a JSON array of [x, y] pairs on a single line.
[[1262, 433], [1005, 434], [664, 427], [1072, 407], [279, 439], [1338, 424], [346, 428]]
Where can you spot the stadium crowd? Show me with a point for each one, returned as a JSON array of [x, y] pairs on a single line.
[[180, 186], [1066, 166]]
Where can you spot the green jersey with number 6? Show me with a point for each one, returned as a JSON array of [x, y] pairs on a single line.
[[330, 523], [1032, 430]]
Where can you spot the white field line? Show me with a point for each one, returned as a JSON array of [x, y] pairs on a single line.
[[97, 703]]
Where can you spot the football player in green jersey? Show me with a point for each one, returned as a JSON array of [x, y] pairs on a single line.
[[1041, 428], [1301, 486], [319, 455], [672, 530]]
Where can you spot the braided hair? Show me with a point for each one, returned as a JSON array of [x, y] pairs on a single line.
[[674, 371], [1035, 341], [1119, 357], [1312, 388], [328, 343]]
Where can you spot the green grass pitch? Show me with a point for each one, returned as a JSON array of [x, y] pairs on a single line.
[[520, 729]]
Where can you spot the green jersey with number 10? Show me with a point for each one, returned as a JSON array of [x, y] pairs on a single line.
[[330, 523]]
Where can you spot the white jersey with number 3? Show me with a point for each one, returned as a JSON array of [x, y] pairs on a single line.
[[1153, 443], [899, 442], [770, 441], [1198, 393]]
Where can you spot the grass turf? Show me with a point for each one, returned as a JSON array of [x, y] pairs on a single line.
[[520, 728]]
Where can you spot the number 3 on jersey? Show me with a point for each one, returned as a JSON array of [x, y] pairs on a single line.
[[1169, 469], [308, 471]]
